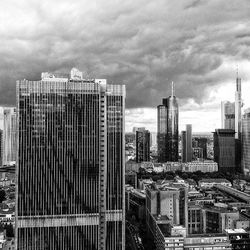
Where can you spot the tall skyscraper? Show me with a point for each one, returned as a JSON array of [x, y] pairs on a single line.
[[162, 132], [224, 149], [246, 143], [184, 146], [9, 135], [142, 145], [168, 131], [228, 115], [238, 104], [70, 164], [187, 150], [189, 142]]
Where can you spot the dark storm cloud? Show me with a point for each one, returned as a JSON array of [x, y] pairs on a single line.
[[194, 4], [144, 44]]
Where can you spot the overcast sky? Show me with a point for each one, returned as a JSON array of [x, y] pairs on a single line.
[[143, 44]]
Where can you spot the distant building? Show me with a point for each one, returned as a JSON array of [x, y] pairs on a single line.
[[130, 138], [9, 136], [202, 143], [168, 131], [142, 145], [203, 166], [153, 139], [186, 137], [197, 153], [224, 149], [246, 143], [183, 146], [173, 166], [162, 132], [205, 242], [209, 183], [189, 142], [238, 105], [227, 115], [138, 129]]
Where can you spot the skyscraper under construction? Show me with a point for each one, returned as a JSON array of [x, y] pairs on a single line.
[[70, 165]]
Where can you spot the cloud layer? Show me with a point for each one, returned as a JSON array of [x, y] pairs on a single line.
[[144, 44]]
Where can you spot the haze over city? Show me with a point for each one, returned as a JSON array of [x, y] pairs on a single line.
[[145, 45]]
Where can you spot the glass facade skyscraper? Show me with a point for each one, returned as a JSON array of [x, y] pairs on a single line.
[[9, 135], [224, 149], [162, 132], [228, 115], [238, 105], [186, 140], [70, 166], [168, 131], [142, 145], [246, 143]]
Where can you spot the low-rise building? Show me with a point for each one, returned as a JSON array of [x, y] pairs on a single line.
[[209, 183], [205, 242], [136, 201], [216, 219], [243, 196], [203, 166], [194, 219], [168, 199], [239, 238]]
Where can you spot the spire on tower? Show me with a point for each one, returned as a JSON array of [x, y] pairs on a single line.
[[172, 94]]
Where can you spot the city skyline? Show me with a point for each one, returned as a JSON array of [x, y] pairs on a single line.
[[144, 45], [124, 125]]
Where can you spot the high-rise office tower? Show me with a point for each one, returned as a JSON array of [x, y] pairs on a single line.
[[142, 145], [246, 143], [189, 142], [202, 143], [228, 115], [162, 117], [70, 166], [183, 146], [187, 151], [238, 104], [173, 129], [9, 135], [168, 131], [224, 149]]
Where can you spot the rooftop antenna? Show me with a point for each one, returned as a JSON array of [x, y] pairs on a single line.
[[237, 71]]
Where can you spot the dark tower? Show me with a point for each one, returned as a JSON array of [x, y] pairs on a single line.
[[168, 133], [142, 145]]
